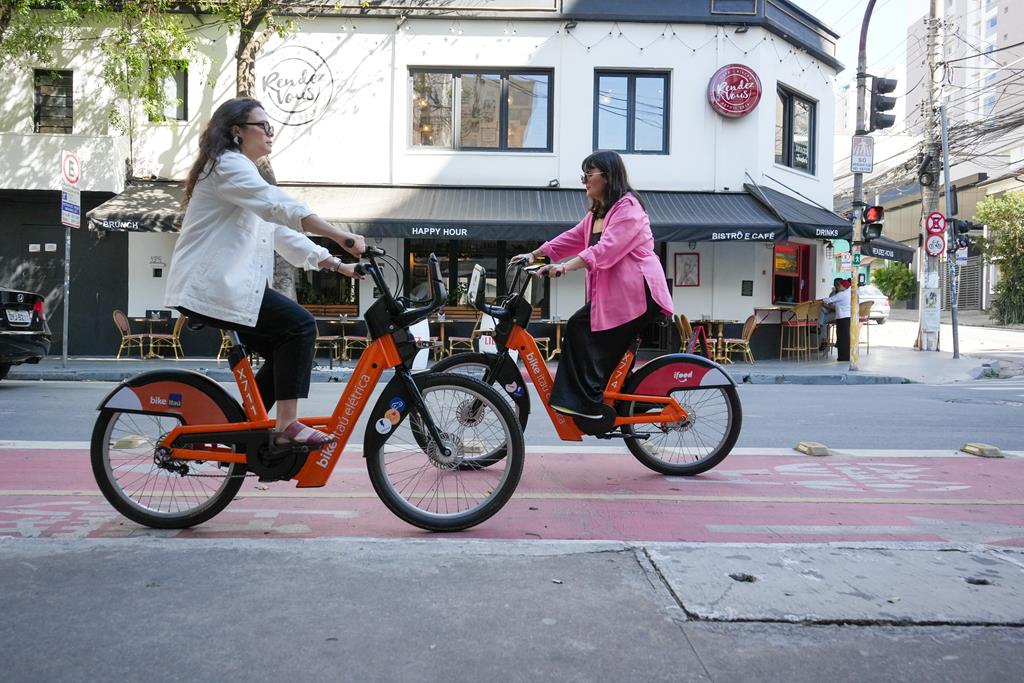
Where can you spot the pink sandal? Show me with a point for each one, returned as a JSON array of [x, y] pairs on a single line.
[[298, 433]]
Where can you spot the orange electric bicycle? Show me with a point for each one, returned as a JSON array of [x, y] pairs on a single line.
[[679, 414], [171, 448]]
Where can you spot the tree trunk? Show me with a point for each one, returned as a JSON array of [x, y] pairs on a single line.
[[250, 42]]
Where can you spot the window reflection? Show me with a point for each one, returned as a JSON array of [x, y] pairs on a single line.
[[801, 134], [631, 112], [432, 109], [527, 111], [480, 113], [794, 131], [650, 114], [612, 106]]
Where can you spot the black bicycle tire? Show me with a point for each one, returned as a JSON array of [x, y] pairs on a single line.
[[636, 446], [515, 457]]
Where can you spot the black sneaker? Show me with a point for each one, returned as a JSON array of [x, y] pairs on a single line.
[[575, 413]]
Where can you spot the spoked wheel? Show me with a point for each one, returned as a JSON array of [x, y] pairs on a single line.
[[694, 445], [476, 365], [146, 486], [440, 488]]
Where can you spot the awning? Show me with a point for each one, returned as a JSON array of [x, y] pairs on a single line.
[[803, 219], [470, 213], [143, 207], [883, 247]]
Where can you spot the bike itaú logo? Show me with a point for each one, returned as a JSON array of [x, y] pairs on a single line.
[[348, 417], [540, 381]]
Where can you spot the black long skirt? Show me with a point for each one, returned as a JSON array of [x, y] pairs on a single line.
[[589, 358], [843, 339]]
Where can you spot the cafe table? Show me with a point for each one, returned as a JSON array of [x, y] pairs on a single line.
[[442, 322], [150, 331], [714, 328], [557, 322]]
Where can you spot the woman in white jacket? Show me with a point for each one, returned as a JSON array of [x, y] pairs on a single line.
[[224, 258]]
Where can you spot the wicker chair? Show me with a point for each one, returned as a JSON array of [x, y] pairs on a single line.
[[864, 316], [129, 340], [464, 343], [796, 332], [170, 341], [742, 345]]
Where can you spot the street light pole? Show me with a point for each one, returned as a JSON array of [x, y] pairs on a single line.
[[858, 187]]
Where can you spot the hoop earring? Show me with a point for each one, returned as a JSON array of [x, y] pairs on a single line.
[[237, 140]]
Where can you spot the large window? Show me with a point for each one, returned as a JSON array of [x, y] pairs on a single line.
[[493, 256], [481, 110], [631, 112], [172, 81], [795, 131], [54, 102]]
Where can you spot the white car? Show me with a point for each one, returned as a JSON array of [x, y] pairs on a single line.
[[880, 303]]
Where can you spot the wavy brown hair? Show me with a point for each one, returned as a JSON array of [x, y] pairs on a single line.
[[216, 138], [616, 181]]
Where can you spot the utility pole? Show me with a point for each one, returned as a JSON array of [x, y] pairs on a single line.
[[954, 283], [930, 301]]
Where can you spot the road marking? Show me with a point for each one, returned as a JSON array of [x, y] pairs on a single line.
[[583, 449], [608, 497]]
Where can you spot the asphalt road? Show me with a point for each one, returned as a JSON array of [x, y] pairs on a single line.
[[907, 416]]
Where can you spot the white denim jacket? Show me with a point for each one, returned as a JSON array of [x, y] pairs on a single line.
[[224, 257]]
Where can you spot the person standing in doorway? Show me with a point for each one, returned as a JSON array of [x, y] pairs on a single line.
[[626, 285], [224, 258]]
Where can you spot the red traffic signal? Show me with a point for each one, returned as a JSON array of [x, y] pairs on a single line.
[[874, 214]]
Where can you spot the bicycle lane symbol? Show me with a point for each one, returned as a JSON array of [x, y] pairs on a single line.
[[846, 477]]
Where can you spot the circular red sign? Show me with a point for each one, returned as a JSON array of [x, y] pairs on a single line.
[[734, 90]]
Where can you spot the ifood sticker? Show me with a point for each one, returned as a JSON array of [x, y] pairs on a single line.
[[397, 404], [393, 416], [383, 426]]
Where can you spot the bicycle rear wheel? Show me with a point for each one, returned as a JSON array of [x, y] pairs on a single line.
[[694, 445], [448, 492], [148, 487]]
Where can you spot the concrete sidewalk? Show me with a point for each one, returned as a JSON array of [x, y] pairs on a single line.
[[890, 359]]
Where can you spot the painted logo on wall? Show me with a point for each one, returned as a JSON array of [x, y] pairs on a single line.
[[734, 90], [295, 85]]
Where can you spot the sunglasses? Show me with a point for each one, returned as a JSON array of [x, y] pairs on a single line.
[[265, 125], [586, 176]]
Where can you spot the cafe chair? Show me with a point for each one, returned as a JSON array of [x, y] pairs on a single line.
[[796, 332], [170, 341], [813, 313], [544, 344], [129, 340], [353, 342], [465, 343], [864, 315], [742, 345], [225, 345], [687, 341]]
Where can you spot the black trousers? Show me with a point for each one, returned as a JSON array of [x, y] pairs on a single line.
[[284, 335], [589, 358], [843, 339]]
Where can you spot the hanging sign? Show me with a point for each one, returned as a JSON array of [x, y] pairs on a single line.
[[734, 91]]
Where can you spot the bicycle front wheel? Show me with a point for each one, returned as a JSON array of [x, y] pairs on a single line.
[[440, 488]]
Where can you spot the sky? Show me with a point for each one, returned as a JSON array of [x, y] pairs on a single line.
[[887, 32]]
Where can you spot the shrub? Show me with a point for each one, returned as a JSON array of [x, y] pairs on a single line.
[[895, 280]]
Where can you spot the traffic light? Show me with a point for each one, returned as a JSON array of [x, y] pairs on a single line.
[[871, 223], [961, 229], [881, 103]]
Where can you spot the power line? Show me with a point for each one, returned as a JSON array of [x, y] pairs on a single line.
[[984, 54]]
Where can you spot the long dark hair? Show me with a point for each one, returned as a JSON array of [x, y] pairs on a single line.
[[616, 181], [216, 138]]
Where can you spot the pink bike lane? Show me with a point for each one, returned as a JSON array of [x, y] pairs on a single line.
[[576, 494]]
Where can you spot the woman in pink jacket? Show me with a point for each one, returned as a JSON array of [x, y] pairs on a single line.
[[626, 284]]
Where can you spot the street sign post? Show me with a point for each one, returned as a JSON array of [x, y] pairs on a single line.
[[70, 217], [862, 154]]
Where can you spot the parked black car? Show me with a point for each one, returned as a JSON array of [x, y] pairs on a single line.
[[24, 334]]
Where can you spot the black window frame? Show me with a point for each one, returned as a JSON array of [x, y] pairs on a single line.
[[66, 81], [631, 76], [789, 96], [180, 67], [456, 73]]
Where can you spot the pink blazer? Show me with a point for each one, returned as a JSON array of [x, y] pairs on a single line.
[[617, 266]]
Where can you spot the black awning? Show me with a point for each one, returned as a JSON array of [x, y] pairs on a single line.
[[883, 247], [469, 213], [142, 207], [803, 219]]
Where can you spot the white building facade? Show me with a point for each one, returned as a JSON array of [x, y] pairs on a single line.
[[451, 133]]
